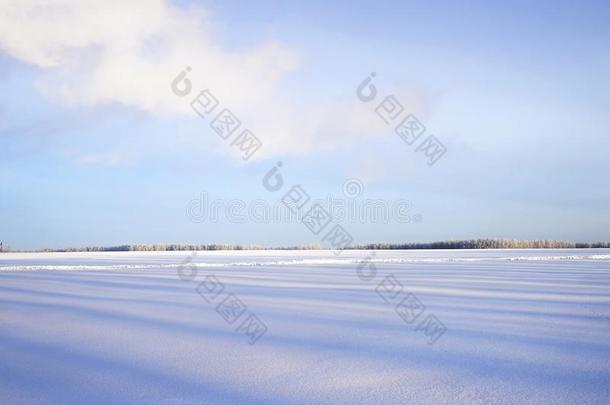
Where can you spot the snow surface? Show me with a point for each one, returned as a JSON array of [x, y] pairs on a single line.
[[522, 326]]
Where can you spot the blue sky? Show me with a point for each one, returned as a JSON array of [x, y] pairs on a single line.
[[95, 149]]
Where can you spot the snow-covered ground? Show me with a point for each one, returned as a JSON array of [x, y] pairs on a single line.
[[494, 326]]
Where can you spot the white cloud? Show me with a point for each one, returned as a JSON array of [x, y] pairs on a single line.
[[112, 51], [101, 51]]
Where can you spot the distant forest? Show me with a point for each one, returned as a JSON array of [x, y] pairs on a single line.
[[455, 244]]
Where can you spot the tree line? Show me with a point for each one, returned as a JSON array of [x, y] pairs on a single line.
[[176, 247], [448, 244], [487, 244]]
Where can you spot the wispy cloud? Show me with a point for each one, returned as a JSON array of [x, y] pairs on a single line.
[[112, 158]]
